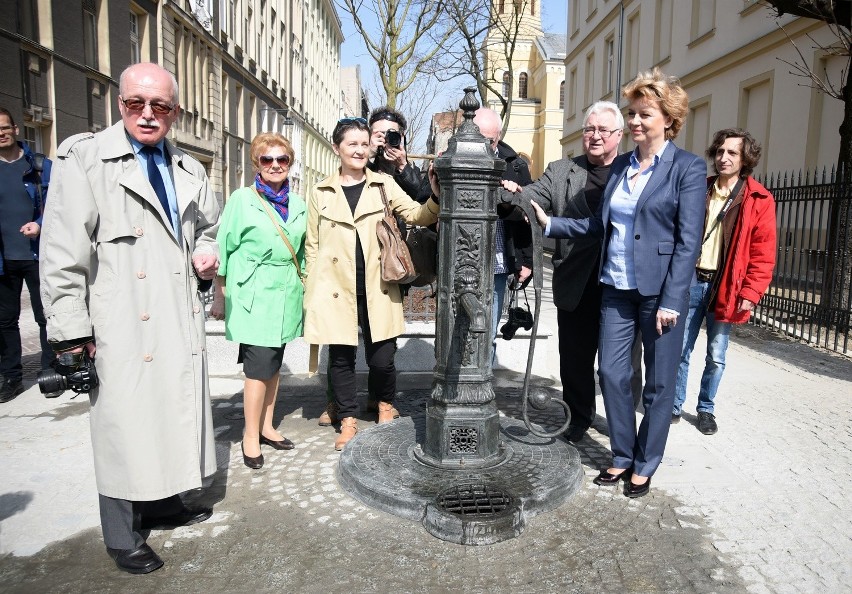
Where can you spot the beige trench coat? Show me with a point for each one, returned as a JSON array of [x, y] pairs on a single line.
[[331, 315], [112, 268]]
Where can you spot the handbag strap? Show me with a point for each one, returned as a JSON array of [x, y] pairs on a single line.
[[384, 199], [280, 232]]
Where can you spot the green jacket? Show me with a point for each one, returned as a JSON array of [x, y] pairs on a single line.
[[263, 293]]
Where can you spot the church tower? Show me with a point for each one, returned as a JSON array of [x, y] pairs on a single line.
[[523, 16]]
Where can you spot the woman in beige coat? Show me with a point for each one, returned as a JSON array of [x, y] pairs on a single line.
[[345, 289]]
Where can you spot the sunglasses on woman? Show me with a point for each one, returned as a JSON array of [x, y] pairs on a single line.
[[266, 160]]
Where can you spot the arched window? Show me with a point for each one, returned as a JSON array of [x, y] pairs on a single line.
[[562, 95], [502, 6], [522, 85], [506, 85]]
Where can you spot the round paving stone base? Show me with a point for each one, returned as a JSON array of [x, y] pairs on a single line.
[[379, 468]]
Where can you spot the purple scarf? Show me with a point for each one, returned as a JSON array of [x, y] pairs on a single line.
[[279, 199]]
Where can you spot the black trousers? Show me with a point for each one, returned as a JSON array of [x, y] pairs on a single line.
[[578, 346], [120, 518], [16, 273], [380, 359]]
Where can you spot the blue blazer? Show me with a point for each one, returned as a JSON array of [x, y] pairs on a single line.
[[667, 224]]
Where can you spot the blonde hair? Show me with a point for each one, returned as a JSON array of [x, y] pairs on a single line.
[[265, 140], [663, 90]]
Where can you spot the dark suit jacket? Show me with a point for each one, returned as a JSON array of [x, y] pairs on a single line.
[[667, 224], [560, 191]]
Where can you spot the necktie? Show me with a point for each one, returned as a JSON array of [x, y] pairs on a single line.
[[156, 180]]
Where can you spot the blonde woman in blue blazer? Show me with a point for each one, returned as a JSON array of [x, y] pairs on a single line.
[[650, 222]]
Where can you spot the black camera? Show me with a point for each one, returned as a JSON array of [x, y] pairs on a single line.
[[393, 138], [519, 317], [72, 371]]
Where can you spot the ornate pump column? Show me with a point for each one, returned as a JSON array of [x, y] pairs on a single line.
[[462, 423]]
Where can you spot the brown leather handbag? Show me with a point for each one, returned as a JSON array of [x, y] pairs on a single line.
[[396, 263]]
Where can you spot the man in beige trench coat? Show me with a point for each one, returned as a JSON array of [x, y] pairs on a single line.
[[128, 233]]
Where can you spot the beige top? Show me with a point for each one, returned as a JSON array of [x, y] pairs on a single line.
[[712, 248]]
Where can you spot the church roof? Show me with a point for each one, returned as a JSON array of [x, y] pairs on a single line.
[[552, 46]]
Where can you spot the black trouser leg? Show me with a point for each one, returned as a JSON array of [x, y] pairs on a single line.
[[11, 283], [120, 518], [32, 280], [578, 345]]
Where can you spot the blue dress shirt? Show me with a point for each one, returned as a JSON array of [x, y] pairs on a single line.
[[162, 165]]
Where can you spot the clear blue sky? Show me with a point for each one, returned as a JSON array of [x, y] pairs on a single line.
[[352, 52]]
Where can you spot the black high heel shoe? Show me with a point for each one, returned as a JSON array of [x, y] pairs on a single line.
[[284, 444], [605, 478], [253, 463], [633, 491]]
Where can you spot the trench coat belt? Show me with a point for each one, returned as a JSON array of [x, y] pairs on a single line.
[[246, 281]]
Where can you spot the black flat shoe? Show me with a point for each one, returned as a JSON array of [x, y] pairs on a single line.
[[253, 463], [284, 444], [605, 478], [185, 517], [634, 491], [140, 560]]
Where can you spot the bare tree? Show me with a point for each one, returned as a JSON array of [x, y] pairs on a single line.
[[395, 34], [481, 31], [836, 14]]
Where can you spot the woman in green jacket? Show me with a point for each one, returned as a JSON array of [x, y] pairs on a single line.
[[263, 291]]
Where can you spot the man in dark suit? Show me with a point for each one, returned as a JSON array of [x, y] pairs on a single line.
[[573, 188]]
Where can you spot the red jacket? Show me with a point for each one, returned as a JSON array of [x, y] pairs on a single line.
[[749, 251]]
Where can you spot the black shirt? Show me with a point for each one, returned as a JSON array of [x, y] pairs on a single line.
[[16, 210], [595, 183], [353, 194]]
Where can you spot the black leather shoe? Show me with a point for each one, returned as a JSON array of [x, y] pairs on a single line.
[[707, 423], [634, 491], [605, 478], [284, 444], [675, 419], [10, 390], [575, 433], [185, 517], [253, 463], [142, 559]]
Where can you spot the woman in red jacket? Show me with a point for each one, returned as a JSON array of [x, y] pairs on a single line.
[[735, 265]]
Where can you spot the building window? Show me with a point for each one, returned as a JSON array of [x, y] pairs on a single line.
[[506, 86], [502, 6], [532, 7], [28, 19], [572, 92], [32, 136], [135, 45], [562, 95], [96, 105], [589, 91], [703, 18], [90, 33], [522, 85], [663, 32], [631, 47], [609, 83]]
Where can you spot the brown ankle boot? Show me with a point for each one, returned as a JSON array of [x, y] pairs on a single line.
[[329, 415], [387, 412], [348, 429]]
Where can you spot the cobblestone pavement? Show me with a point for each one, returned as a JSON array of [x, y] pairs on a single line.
[[760, 507]]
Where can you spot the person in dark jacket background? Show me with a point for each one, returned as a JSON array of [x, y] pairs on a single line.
[[389, 157], [23, 190], [735, 265]]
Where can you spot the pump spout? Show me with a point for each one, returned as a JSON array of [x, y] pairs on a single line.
[[473, 308]]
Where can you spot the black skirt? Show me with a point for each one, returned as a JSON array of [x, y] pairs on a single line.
[[260, 362]]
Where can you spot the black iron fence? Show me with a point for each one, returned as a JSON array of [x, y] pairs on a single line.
[[809, 298]]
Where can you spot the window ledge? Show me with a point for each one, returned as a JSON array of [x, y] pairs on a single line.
[[701, 38]]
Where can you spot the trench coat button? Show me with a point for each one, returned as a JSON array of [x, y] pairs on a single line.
[[334, 260], [144, 317], [333, 224], [335, 295], [636, 236], [138, 231], [196, 309], [140, 274], [385, 291], [148, 358]]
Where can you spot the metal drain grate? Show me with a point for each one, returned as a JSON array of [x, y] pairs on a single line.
[[473, 500]]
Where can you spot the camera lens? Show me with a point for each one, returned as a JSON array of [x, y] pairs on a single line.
[[51, 381], [393, 138]]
